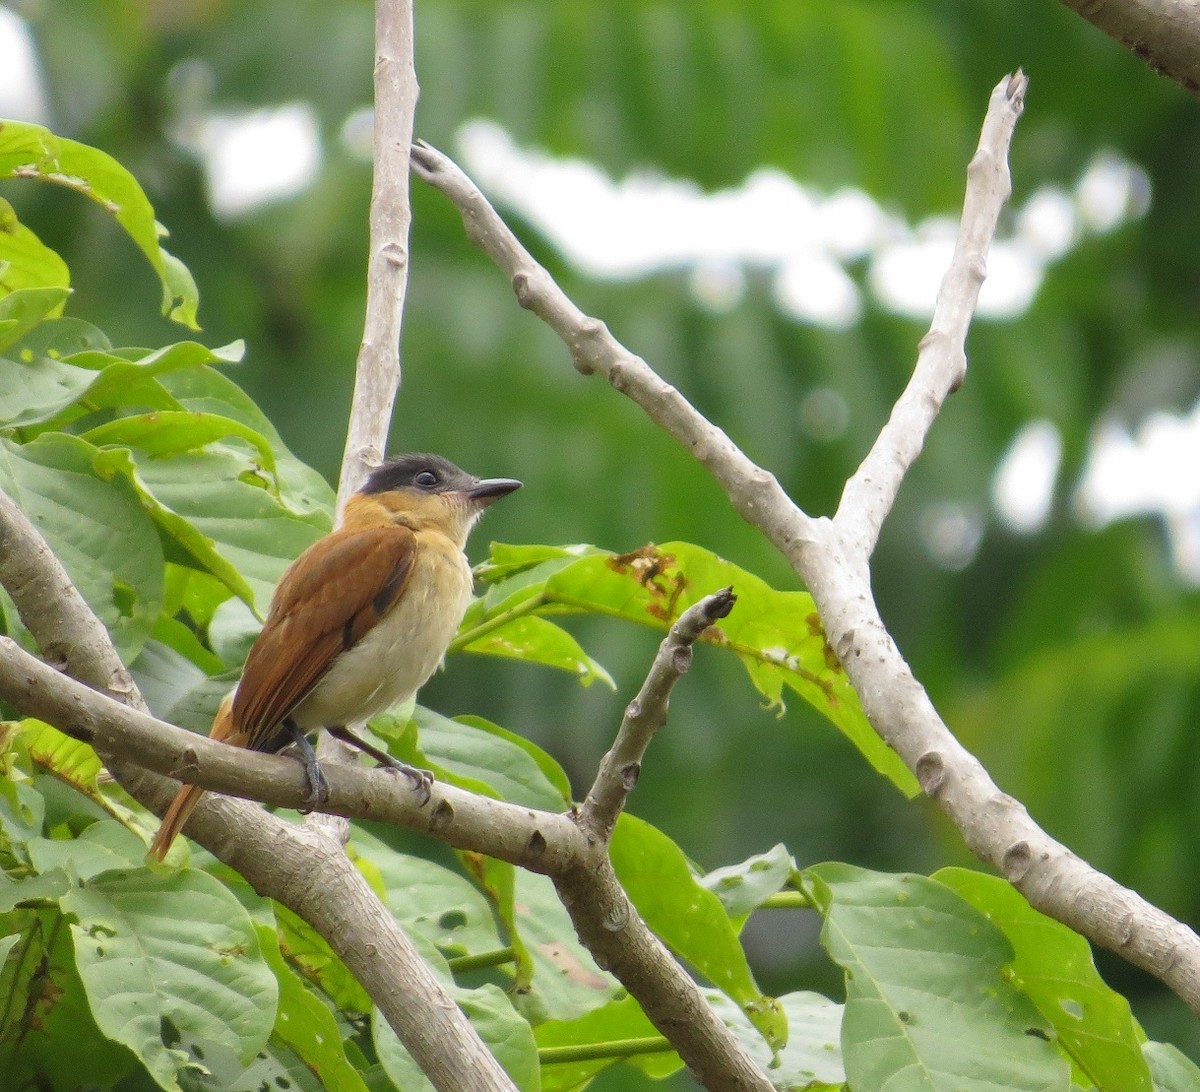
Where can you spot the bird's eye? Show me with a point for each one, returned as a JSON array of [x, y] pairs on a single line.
[[426, 479]]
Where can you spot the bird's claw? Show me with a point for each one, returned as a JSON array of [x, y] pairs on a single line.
[[317, 792], [422, 779]]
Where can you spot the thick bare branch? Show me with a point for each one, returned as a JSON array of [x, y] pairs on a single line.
[[619, 769], [942, 361], [996, 827], [1163, 33], [295, 865], [377, 375]]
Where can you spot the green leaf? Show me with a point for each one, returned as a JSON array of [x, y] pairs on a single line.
[[1053, 966], [25, 261], [239, 532], [96, 528], [63, 369], [427, 899], [1173, 1071], [777, 635], [470, 751], [742, 888], [305, 1023], [37, 389], [102, 847], [538, 641], [813, 1055], [49, 1038], [305, 947], [566, 981], [927, 1004], [32, 151], [176, 433], [506, 1034], [177, 949], [689, 919], [177, 690], [22, 309]]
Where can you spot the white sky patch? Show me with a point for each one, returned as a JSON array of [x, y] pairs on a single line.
[[22, 90], [1150, 471], [648, 223], [254, 157], [1023, 485]]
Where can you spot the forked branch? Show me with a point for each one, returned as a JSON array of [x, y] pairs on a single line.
[[831, 558]]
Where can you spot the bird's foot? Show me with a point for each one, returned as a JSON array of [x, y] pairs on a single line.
[[422, 779], [317, 792]]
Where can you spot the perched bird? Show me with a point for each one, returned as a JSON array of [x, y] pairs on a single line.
[[358, 622]]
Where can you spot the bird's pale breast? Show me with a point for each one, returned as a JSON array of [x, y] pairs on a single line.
[[396, 657]]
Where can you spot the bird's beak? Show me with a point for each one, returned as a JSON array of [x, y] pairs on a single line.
[[488, 490]]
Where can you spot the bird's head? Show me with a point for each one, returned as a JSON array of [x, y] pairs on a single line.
[[425, 492]]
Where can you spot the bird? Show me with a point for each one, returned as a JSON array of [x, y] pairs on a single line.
[[358, 622]]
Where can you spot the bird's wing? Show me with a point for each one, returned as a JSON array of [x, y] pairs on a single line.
[[332, 595]]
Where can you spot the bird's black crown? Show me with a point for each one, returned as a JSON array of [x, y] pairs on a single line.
[[420, 471]]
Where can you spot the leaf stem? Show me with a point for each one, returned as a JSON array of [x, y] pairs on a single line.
[[480, 960], [526, 606], [617, 1048]]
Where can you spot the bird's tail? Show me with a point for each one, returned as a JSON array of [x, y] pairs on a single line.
[[177, 814], [189, 795]]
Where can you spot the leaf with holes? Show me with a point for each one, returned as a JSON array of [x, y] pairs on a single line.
[[179, 950], [928, 1005]]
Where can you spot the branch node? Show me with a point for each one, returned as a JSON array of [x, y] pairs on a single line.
[[395, 253], [931, 772], [442, 815], [522, 288], [1018, 859], [536, 846], [630, 775]]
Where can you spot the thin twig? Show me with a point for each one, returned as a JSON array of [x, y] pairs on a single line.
[[942, 361], [996, 827], [620, 767]]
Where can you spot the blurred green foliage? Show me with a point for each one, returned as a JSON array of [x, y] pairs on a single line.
[[1066, 659]]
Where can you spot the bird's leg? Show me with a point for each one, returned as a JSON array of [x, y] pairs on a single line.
[[318, 787], [422, 779]]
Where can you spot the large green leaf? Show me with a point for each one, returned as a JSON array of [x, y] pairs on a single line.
[[566, 981], [305, 1023], [96, 528], [32, 151], [743, 887], [63, 369], [1053, 966], [428, 899], [48, 1035], [689, 919], [928, 1006], [1173, 1070], [476, 754], [777, 635], [812, 1056], [171, 951]]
